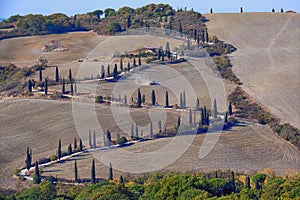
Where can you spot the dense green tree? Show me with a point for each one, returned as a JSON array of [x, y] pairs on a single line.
[[211, 11], [140, 61], [29, 85], [80, 145], [128, 21], [167, 99], [233, 181], [108, 70], [121, 180], [76, 171], [59, 152], [226, 118], [128, 67], [70, 149], [28, 158], [48, 190], [134, 61], [259, 180], [241, 9], [248, 185], [31, 193], [114, 27], [93, 172], [139, 98], [153, 97], [230, 108], [97, 13], [108, 12], [121, 64], [110, 175]]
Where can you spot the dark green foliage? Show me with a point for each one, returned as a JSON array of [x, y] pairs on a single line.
[[248, 185], [99, 99], [93, 172], [211, 11], [215, 108], [110, 175], [230, 108], [153, 97], [139, 98], [259, 180], [144, 98], [128, 66], [115, 73], [273, 10], [223, 65], [46, 86], [134, 62], [63, 88], [70, 76], [114, 28], [41, 74], [108, 136], [122, 140], [80, 145], [59, 152], [121, 179], [233, 181], [70, 149], [108, 70], [167, 99], [226, 118], [121, 64], [75, 171], [140, 62], [281, 10], [241, 9], [28, 158]]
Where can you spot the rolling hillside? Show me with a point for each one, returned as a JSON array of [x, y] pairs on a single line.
[[267, 57]]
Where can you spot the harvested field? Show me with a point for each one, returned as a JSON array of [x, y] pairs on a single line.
[[267, 57]]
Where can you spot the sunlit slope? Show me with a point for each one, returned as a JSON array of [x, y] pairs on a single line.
[[267, 58]]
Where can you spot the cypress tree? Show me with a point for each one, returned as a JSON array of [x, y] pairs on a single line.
[[168, 47], [115, 73], [233, 181], [125, 99], [90, 140], [104, 139], [153, 98], [70, 149], [94, 144], [202, 36], [195, 34], [144, 99], [63, 88], [184, 100], [128, 67], [281, 10], [197, 104], [121, 64], [211, 11], [226, 118], [75, 143], [159, 126], [190, 118], [215, 109], [207, 119], [241, 9], [273, 10], [72, 89], [178, 121], [56, 75], [108, 70], [181, 101], [128, 21], [180, 29], [28, 159], [121, 180], [46, 86], [29, 85], [36, 177], [76, 171], [108, 136], [139, 98], [162, 56], [151, 130], [70, 76], [110, 176], [136, 132], [230, 108], [159, 54], [132, 133], [206, 36], [41, 74], [93, 172], [102, 72], [134, 61], [75, 87], [167, 99], [140, 61], [80, 145], [59, 154], [248, 186]]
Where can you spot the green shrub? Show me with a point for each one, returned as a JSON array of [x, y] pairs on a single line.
[[53, 157], [99, 99], [122, 140]]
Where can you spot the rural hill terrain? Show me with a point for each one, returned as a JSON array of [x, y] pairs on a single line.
[[264, 59]]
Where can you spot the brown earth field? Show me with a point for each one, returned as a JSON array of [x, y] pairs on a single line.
[[248, 148], [267, 57]]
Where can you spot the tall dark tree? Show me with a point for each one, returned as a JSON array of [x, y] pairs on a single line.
[[136, 132], [241, 9], [248, 186], [108, 136], [134, 61], [207, 119], [94, 142], [121, 180], [195, 34], [70, 76], [230, 108], [121, 64], [190, 118], [76, 171], [281, 10], [108, 70], [167, 99], [197, 107], [28, 158], [59, 153], [162, 56], [215, 109], [206, 36], [180, 29], [178, 121], [151, 130], [273, 10], [140, 61], [102, 72], [46, 86], [211, 11], [80, 145], [63, 87], [128, 66], [226, 118], [203, 36], [139, 98], [75, 143], [188, 43], [93, 172], [153, 98], [159, 126], [132, 132], [70, 149], [110, 175], [144, 98], [56, 75], [41, 74], [90, 140], [29, 85], [36, 177], [128, 21], [115, 73], [233, 181], [72, 89]]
